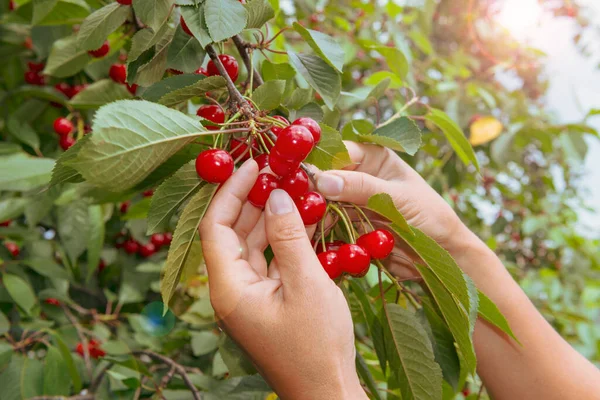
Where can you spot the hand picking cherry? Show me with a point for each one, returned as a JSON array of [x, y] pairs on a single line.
[[354, 259], [214, 165], [260, 192], [294, 143], [311, 125], [295, 184], [312, 207], [331, 263], [379, 243], [279, 166]]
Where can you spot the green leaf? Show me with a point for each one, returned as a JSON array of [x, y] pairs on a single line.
[[234, 358], [168, 85], [490, 312], [154, 69], [4, 325], [395, 59], [310, 110], [141, 42], [100, 93], [65, 60], [379, 89], [259, 12], [320, 75], [363, 371], [131, 139], [186, 230], [73, 227], [203, 342], [185, 52], [383, 204], [410, 355], [224, 18], [56, 382], [171, 195], [375, 79], [68, 361], [330, 152], [20, 291], [455, 136], [324, 45], [152, 12], [299, 98], [195, 20], [188, 92], [95, 241], [97, 26], [23, 132], [40, 92], [268, 95], [41, 8], [12, 208], [399, 134], [64, 12], [47, 268], [63, 173], [272, 71], [21, 172], [138, 210]]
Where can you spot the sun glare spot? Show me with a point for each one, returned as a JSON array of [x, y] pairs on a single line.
[[520, 17]]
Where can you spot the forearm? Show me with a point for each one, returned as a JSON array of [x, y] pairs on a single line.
[[545, 366]]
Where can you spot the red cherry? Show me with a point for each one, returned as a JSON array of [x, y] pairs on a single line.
[[312, 207], [294, 143], [96, 352], [6, 223], [466, 392], [34, 78], [230, 64], [147, 250], [277, 129], [124, 2], [132, 88], [64, 88], [168, 238], [75, 90], [379, 243], [28, 43], [52, 301], [260, 192], [100, 51], [131, 246], [13, 249], [62, 126], [65, 142], [331, 263], [330, 246], [11, 5], [148, 193], [101, 265], [280, 166], [212, 113], [354, 259], [79, 349], [175, 71], [214, 165], [262, 160], [118, 73], [311, 125], [158, 239], [35, 67], [201, 71], [124, 206], [239, 149], [185, 27], [296, 183]]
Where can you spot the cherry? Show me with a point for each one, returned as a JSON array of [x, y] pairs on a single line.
[[35, 67], [168, 238], [118, 73], [277, 129], [13, 249], [185, 27], [294, 143], [11, 5], [214, 165], [466, 392], [330, 246], [175, 71], [131, 246], [379, 243], [239, 149], [100, 51], [280, 166], [93, 347], [52, 301], [148, 193], [331, 263], [147, 250], [260, 192], [62, 126], [312, 207], [132, 88], [64, 88], [87, 129], [212, 113], [124, 2], [124, 206], [201, 71], [354, 259], [34, 78], [262, 160], [230, 64], [101, 265], [295, 184], [28, 43], [65, 142], [75, 90], [158, 239], [6, 223], [311, 125]]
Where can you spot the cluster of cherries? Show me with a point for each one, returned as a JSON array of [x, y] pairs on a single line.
[[64, 129], [355, 259], [33, 75], [12, 247], [157, 240], [93, 348], [118, 73]]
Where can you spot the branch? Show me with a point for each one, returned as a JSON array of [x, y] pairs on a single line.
[[235, 94], [180, 369], [242, 49], [82, 338]]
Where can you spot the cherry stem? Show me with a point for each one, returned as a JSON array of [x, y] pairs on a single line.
[[345, 220], [235, 94], [399, 286], [253, 75]]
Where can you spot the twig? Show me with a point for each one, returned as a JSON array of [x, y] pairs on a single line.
[[82, 338], [235, 94], [241, 46]]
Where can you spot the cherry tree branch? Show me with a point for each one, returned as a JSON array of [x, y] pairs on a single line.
[[235, 94], [242, 49]]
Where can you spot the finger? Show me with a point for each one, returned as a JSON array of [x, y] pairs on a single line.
[[376, 160], [351, 186], [297, 262], [247, 220], [220, 244]]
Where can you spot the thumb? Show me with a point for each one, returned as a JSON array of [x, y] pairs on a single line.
[[350, 186], [296, 259]]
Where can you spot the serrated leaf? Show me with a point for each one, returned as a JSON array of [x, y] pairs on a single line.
[[383, 204], [324, 45], [12, 208], [56, 382], [330, 152], [130, 139], [95, 240], [224, 18], [21, 172], [259, 12], [63, 173], [73, 228], [194, 18], [153, 70], [152, 12], [170, 84], [399, 134], [490, 312], [171, 195], [320, 75], [65, 60], [395, 59], [186, 230], [410, 355], [455, 136], [20, 291], [185, 52], [188, 92], [268, 95], [97, 26], [100, 93], [142, 41]]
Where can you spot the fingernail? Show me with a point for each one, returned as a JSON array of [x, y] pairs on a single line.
[[330, 185], [280, 202]]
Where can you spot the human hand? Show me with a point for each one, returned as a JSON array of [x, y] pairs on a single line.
[[289, 317]]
